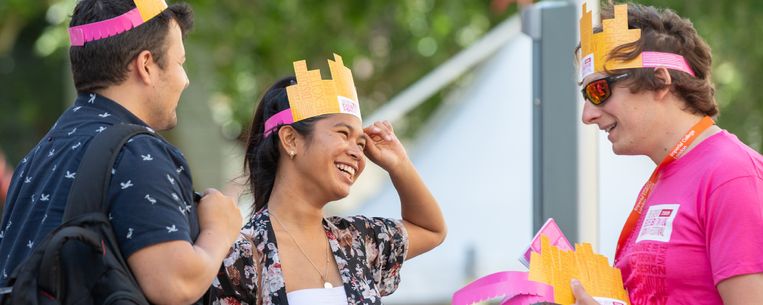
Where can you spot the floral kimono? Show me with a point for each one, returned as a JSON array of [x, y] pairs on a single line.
[[368, 252]]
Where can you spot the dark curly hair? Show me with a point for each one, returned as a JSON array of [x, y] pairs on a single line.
[[662, 30]]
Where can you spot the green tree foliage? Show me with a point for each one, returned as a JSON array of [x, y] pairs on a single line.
[[387, 44], [239, 47]]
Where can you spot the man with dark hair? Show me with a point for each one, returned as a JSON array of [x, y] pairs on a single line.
[[127, 62]]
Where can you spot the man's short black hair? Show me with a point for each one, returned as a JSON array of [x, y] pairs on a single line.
[[103, 63]]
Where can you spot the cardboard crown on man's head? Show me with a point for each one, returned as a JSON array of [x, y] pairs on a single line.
[[595, 48]]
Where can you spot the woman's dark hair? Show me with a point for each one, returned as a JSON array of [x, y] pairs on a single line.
[[103, 63], [262, 153], [663, 30]]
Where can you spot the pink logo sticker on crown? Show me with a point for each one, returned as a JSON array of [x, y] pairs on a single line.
[[586, 66], [348, 106]]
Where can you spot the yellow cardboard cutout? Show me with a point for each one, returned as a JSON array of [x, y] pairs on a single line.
[[150, 8], [557, 268], [595, 47], [313, 96]]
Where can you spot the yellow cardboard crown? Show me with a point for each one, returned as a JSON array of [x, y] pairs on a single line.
[[557, 268], [313, 96], [595, 47]]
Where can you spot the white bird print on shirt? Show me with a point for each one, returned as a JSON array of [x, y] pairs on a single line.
[[113, 171], [8, 225], [110, 218], [44, 197], [100, 129], [151, 200], [92, 98], [105, 115], [52, 152], [175, 196], [182, 210], [172, 181], [180, 169], [44, 217], [30, 244], [28, 180], [172, 229], [76, 145], [23, 160], [70, 175], [54, 167], [76, 108], [126, 185], [33, 198], [73, 131], [129, 233], [147, 157], [2, 234]]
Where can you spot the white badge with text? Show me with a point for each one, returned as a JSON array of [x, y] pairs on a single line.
[[658, 223]]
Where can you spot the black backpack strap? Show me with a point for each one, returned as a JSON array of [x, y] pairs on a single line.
[[89, 192]]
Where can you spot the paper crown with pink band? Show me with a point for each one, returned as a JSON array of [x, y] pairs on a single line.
[[596, 47], [143, 12], [552, 263], [312, 95]]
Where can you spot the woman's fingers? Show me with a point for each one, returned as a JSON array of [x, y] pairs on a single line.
[[374, 133], [380, 130]]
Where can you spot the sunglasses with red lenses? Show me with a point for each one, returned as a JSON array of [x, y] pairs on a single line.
[[597, 92]]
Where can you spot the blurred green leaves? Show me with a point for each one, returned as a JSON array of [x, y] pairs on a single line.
[[240, 47], [237, 49], [387, 44]]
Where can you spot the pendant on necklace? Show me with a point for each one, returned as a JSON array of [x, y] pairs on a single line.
[[327, 285]]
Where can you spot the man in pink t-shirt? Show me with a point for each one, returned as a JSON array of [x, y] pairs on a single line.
[[695, 235], [701, 225]]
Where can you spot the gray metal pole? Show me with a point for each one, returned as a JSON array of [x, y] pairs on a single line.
[[552, 26]]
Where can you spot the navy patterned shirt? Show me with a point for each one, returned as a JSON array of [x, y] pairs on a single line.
[[151, 191]]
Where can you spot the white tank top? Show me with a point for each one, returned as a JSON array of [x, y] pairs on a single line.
[[318, 296]]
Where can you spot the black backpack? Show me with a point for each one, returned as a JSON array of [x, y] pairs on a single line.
[[79, 261]]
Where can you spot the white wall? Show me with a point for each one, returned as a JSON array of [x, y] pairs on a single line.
[[476, 158]]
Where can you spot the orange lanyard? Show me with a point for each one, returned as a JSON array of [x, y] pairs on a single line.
[[674, 154]]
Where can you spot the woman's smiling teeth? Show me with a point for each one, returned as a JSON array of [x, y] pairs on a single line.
[[347, 169]]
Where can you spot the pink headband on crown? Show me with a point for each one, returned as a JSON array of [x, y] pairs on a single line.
[[143, 12], [281, 118]]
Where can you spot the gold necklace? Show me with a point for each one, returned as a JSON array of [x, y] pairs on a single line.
[[326, 283]]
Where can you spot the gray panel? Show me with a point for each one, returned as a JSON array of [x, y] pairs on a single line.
[[552, 25]]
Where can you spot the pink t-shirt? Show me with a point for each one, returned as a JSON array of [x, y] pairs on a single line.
[[702, 224]]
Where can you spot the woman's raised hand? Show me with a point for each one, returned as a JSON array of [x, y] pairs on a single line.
[[383, 147]]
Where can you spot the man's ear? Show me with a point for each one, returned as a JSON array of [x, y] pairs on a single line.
[[663, 76], [289, 137], [144, 67]]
